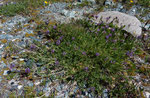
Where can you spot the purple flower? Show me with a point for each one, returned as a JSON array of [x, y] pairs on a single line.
[[84, 53], [107, 18], [110, 35], [112, 29], [107, 26], [96, 16], [12, 66], [114, 41], [49, 41], [73, 38], [122, 41], [54, 27], [104, 32], [103, 27], [32, 47], [86, 68], [27, 70], [125, 63], [97, 54], [14, 3], [106, 58], [130, 54], [56, 62], [92, 89], [58, 42], [139, 37], [47, 22], [111, 61], [107, 37], [99, 24], [60, 38], [98, 30], [52, 51], [114, 62], [47, 32], [96, 33], [64, 53]]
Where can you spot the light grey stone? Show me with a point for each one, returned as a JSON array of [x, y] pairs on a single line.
[[147, 94], [131, 23], [92, 1], [109, 2]]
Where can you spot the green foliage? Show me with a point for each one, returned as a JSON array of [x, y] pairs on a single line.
[[145, 3], [87, 55], [12, 9]]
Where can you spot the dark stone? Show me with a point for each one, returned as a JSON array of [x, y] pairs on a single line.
[[8, 72], [38, 65], [83, 93], [79, 0], [72, 96], [12, 83]]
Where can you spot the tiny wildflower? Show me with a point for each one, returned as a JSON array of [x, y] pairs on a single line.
[[60, 38], [32, 47], [92, 89], [54, 27], [98, 30], [52, 51], [12, 66], [107, 37], [45, 2], [106, 58], [56, 62], [27, 70], [130, 54], [73, 38], [64, 53], [103, 27], [49, 41], [97, 54], [110, 35], [114, 41], [107, 26], [108, 18], [104, 32], [84, 53], [47, 22], [131, 1], [112, 29], [96, 16], [96, 33], [47, 32], [125, 63], [139, 37], [58, 42], [86, 68]]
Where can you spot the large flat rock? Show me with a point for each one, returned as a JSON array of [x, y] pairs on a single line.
[[131, 23]]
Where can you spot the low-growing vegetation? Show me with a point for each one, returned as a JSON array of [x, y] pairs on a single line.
[[96, 56], [13, 7]]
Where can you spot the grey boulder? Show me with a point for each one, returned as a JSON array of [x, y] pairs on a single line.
[[131, 24]]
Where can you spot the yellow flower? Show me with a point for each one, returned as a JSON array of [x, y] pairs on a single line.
[[131, 1], [4, 40], [45, 2]]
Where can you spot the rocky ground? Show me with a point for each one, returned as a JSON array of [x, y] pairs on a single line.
[[18, 31]]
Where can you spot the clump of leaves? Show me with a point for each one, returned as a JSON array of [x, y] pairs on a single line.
[[12, 9], [145, 3], [91, 54]]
